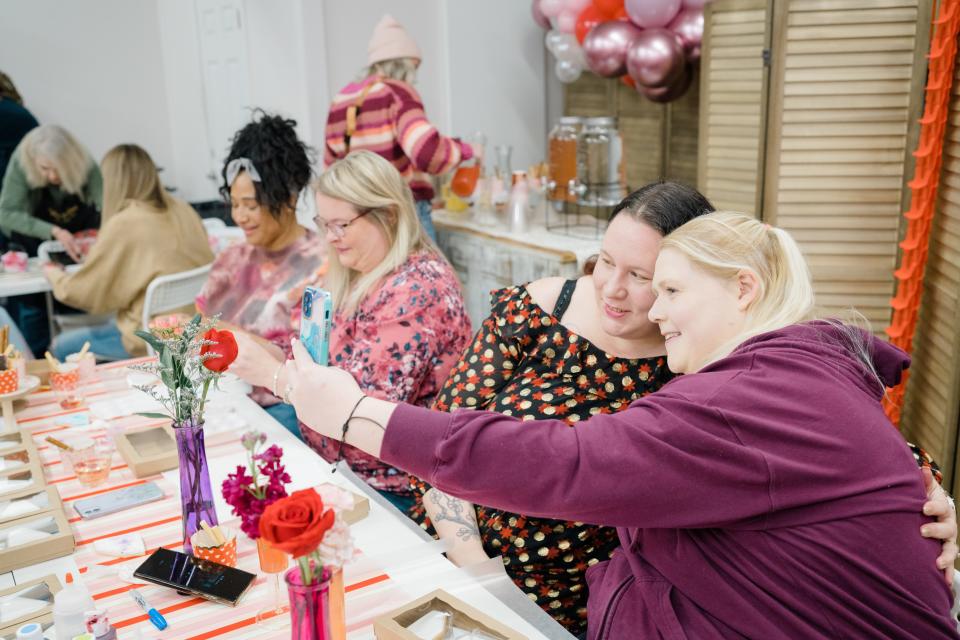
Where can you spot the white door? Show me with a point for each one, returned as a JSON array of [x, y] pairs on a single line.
[[226, 79]]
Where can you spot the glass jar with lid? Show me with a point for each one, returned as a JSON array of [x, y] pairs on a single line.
[[562, 157], [600, 171]]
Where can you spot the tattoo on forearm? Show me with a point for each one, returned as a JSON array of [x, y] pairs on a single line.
[[456, 511]]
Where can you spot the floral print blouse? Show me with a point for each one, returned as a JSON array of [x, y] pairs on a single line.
[[399, 345], [258, 290]]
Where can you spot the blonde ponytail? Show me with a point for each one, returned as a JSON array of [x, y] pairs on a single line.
[[725, 243]]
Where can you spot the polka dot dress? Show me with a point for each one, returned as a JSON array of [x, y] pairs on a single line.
[[524, 363]]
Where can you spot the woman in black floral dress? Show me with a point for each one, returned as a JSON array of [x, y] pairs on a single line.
[[568, 350], [565, 349]]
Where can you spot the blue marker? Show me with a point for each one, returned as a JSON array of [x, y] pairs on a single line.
[[158, 620]]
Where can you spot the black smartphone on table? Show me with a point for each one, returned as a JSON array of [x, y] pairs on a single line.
[[209, 580], [61, 258]]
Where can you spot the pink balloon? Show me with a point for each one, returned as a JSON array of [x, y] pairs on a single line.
[[566, 22], [688, 25], [577, 6], [651, 14], [695, 4], [606, 46], [655, 58], [538, 16], [670, 92], [552, 8]]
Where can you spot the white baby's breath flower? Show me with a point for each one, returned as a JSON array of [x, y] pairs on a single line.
[[335, 498], [336, 549]]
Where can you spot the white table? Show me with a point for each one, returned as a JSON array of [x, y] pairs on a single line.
[[398, 563], [30, 281]]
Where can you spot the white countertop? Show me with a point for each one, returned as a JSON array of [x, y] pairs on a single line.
[[537, 236]]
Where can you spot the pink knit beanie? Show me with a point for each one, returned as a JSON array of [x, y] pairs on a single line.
[[390, 40]]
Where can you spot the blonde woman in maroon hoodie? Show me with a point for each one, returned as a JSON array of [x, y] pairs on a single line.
[[731, 487]]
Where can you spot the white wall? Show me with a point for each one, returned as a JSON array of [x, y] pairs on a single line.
[[278, 68], [482, 67], [94, 67], [496, 81], [129, 70], [183, 85], [316, 70], [348, 26]]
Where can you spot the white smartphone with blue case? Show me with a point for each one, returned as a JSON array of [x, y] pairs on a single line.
[[315, 319]]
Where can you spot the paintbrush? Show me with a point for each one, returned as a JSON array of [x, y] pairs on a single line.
[[59, 443], [213, 532], [54, 363]]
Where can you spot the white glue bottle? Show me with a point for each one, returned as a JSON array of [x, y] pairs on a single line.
[[69, 606]]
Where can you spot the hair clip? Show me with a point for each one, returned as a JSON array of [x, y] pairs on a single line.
[[235, 166]]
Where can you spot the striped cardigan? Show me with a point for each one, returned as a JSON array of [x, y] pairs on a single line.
[[393, 124]]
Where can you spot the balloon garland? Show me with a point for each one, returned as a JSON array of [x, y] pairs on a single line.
[[651, 45]]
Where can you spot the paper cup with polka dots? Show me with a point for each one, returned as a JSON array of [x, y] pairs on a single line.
[[206, 548], [9, 381]]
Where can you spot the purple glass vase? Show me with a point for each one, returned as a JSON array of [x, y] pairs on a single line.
[[309, 606], [196, 497]]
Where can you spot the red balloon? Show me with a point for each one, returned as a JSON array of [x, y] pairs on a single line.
[[630, 82], [621, 14], [609, 7], [672, 91], [655, 58], [589, 18]]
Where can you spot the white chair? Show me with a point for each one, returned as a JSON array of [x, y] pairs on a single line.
[[171, 292], [213, 224], [46, 248]]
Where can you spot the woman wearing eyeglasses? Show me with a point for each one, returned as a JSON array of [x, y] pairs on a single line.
[[255, 285], [399, 321]]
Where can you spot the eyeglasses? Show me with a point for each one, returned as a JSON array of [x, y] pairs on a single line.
[[339, 229]]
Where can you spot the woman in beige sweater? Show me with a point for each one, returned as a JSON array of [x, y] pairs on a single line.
[[145, 233]]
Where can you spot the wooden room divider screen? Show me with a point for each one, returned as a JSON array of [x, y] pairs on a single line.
[[806, 117]]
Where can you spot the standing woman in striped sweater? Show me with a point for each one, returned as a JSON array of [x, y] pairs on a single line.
[[384, 113]]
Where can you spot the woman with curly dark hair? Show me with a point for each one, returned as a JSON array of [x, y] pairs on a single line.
[[256, 284]]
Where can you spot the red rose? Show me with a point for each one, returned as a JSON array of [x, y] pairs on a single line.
[[225, 350], [297, 523]]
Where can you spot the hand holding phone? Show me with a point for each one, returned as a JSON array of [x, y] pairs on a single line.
[[315, 319]]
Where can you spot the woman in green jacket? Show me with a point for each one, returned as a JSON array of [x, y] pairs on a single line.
[[51, 190]]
